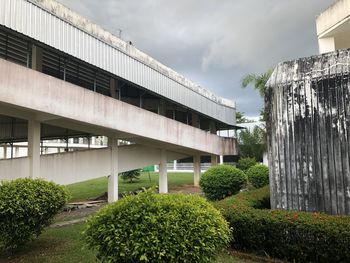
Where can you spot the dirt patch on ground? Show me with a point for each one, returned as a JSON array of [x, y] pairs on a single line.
[[186, 189]]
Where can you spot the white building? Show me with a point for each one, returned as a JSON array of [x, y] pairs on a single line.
[[63, 77]]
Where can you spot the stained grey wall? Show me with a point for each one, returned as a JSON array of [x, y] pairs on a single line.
[[308, 133]]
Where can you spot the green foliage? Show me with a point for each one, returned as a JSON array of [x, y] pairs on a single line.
[[131, 176], [151, 227], [221, 181], [259, 81], [289, 235], [252, 143], [258, 175], [245, 163], [26, 207]]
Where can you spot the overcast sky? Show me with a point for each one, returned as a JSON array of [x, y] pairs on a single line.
[[213, 43]]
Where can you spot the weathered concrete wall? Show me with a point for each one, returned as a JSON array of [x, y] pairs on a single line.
[[78, 166], [308, 134]]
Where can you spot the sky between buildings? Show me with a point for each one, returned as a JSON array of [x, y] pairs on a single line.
[[213, 42]]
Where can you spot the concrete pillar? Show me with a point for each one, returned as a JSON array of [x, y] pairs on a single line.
[[214, 160], [163, 175], [195, 120], [113, 177], [113, 86], [162, 107], [196, 169], [175, 165], [37, 58], [326, 44], [5, 152], [34, 148], [221, 159]]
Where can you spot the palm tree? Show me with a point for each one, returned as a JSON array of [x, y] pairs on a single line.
[[259, 81]]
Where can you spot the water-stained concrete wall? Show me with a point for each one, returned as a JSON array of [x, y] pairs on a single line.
[[308, 110]]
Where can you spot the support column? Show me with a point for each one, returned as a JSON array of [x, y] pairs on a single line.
[[5, 152], [326, 44], [212, 129], [162, 107], [34, 148], [195, 120], [113, 177], [163, 175], [196, 169], [113, 86], [37, 58]]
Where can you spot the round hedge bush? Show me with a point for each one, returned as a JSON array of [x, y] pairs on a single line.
[[258, 175], [221, 181], [26, 207], [151, 227]]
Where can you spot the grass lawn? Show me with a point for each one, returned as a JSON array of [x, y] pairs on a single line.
[[65, 245], [93, 188]]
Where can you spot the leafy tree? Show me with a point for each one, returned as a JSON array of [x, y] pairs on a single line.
[[252, 143], [259, 81], [131, 176]]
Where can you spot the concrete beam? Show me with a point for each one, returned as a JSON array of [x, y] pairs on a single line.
[[163, 175], [113, 177], [34, 148]]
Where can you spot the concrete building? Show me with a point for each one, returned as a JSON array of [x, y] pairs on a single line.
[[63, 77], [333, 27]]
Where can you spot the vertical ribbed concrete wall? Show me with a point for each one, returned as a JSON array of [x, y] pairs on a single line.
[[308, 134]]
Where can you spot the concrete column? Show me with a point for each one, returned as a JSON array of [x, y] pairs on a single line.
[[195, 120], [113, 86], [162, 108], [175, 165], [196, 169], [5, 152], [214, 160], [326, 44], [163, 175], [113, 177], [34, 148], [37, 58], [212, 129], [221, 159]]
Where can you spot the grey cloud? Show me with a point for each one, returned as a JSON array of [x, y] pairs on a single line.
[[214, 43]]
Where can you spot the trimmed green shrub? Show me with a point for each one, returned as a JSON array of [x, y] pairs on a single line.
[[26, 207], [289, 235], [221, 181], [245, 163], [131, 176], [258, 175], [151, 227]]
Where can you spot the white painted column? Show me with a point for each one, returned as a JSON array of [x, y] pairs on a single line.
[[163, 175], [175, 165], [196, 169], [113, 177], [34, 148], [221, 159]]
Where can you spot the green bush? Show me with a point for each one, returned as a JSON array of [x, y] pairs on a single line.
[[258, 175], [289, 235], [151, 227], [26, 207], [245, 163], [221, 181]]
